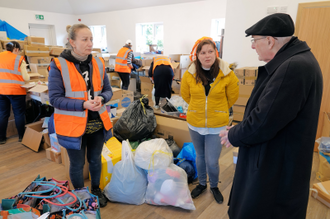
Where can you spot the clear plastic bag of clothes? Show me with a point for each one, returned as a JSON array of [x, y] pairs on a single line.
[[153, 154], [137, 122], [324, 144], [168, 186], [128, 182]]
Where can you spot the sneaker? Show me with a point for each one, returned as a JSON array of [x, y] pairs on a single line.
[[3, 141], [156, 107], [102, 199], [198, 190], [217, 195]]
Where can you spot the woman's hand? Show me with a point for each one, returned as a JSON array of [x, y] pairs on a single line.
[[93, 105]]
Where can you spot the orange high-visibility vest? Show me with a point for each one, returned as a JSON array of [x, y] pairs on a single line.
[[121, 61], [193, 51], [73, 123], [11, 78], [161, 60]]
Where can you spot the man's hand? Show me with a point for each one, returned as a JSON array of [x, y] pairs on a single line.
[[224, 137]]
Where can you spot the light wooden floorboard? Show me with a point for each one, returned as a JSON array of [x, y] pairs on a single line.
[[19, 166]]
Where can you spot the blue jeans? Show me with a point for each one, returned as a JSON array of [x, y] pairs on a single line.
[[18, 105], [208, 149], [93, 143]]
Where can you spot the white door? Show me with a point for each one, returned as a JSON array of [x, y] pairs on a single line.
[[45, 31]]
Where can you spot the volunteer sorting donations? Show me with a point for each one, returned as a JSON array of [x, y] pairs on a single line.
[[13, 75], [78, 89]]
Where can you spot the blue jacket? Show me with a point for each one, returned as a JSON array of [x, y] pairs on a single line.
[[58, 100]]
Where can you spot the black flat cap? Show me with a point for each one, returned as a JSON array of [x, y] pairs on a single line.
[[276, 25]]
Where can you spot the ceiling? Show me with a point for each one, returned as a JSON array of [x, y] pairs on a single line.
[[78, 7]]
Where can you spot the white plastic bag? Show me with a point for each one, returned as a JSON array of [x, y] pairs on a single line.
[[153, 154], [168, 186], [128, 183]]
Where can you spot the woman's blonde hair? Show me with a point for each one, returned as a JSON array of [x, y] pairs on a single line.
[[73, 30]]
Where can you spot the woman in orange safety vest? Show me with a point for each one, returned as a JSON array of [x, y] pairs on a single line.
[[12, 76], [78, 88]]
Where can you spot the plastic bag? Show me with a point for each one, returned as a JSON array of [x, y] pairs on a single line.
[[179, 103], [168, 186], [153, 154], [188, 153], [137, 122], [324, 144], [128, 183]]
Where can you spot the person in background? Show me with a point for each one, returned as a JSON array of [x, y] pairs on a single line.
[[161, 71], [12, 76], [78, 89], [277, 135], [210, 88], [123, 64]]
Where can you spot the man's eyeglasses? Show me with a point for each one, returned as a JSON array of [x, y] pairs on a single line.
[[253, 40]]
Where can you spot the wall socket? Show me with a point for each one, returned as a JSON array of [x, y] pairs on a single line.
[[272, 9]]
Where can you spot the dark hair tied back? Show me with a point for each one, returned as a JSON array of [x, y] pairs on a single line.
[[12, 45]]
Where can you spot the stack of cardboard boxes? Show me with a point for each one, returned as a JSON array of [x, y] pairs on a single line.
[[247, 77]]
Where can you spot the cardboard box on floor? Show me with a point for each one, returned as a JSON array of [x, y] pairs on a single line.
[[321, 192], [66, 163], [122, 97], [40, 93], [34, 136], [55, 51], [146, 88], [326, 125], [170, 126], [53, 156], [244, 94]]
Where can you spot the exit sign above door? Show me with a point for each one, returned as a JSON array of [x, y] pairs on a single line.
[[40, 17]]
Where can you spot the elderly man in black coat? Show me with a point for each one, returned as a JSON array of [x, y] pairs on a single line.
[[276, 137]]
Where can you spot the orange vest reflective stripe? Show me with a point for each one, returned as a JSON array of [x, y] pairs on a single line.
[[193, 51], [121, 61], [11, 78], [73, 123], [161, 60]]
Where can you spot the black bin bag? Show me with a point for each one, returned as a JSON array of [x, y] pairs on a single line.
[[137, 121]]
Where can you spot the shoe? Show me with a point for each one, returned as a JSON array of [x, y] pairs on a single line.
[[102, 199], [217, 195], [199, 189], [3, 141], [156, 107], [20, 139]]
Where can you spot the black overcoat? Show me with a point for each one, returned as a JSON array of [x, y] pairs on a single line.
[[276, 137]]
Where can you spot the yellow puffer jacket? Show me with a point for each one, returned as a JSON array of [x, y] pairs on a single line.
[[211, 111]]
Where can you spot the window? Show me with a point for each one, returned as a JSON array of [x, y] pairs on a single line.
[[217, 28], [99, 37], [149, 34]]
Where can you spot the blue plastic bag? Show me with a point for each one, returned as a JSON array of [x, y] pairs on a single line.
[[188, 153]]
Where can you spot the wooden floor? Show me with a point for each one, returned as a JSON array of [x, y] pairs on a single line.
[[19, 166]]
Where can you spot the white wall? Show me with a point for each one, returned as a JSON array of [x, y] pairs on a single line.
[[183, 23], [242, 14], [21, 18]]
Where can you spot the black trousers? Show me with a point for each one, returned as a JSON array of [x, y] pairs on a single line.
[[125, 77]]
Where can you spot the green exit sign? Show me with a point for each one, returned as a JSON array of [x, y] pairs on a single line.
[[40, 17]]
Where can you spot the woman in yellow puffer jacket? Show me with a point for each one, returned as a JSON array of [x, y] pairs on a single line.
[[210, 88]]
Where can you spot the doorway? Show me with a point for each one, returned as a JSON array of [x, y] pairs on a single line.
[[45, 31]]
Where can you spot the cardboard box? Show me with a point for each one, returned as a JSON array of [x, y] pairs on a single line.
[[36, 50], [235, 155], [170, 126], [321, 192], [111, 154], [97, 50], [250, 81], [115, 83], [56, 51], [238, 116], [113, 76], [32, 40], [239, 72], [66, 162], [40, 61], [21, 43], [241, 80], [244, 94], [53, 156], [251, 71], [326, 124], [127, 99], [146, 88], [238, 109], [132, 85], [117, 93], [38, 90], [34, 135]]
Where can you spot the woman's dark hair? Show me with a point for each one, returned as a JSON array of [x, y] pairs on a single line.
[[12, 45], [200, 75]]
